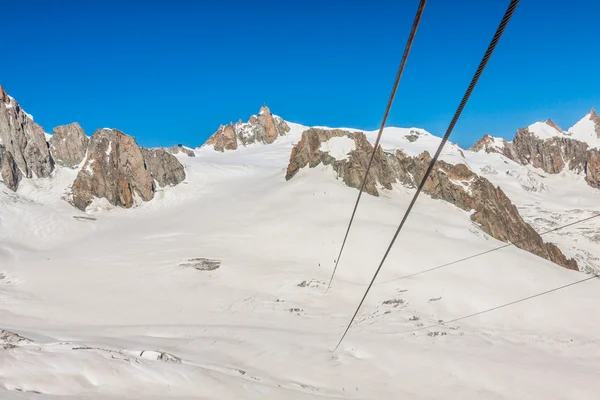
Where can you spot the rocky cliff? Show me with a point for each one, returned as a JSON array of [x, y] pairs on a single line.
[[543, 145], [262, 128], [491, 209], [23, 139], [117, 169], [163, 166], [9, 171], [68, 145]]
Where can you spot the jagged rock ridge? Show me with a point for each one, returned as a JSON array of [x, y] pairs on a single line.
[[24, 140], [117, 169], [553, 154], [457, 184], [262, 128]]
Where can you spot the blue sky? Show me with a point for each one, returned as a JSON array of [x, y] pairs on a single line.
[[171, 72]]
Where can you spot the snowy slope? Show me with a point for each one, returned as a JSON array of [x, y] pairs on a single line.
[[101, 295], [586, 130], [544, 131]]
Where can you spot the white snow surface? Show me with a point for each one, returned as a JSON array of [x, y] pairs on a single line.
[[338, 147], [544, 131], [109, 309], [585, 131]]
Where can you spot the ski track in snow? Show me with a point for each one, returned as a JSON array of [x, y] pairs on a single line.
[[101, 295]]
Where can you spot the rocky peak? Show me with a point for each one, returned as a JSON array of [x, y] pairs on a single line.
[[554, 154], [68, 145], [456, 184], [596, 120], [551, 123], [23, 139], [262, 128], [117, 169], [488, 143]]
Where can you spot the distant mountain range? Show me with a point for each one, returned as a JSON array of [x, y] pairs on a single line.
[[507, 187]]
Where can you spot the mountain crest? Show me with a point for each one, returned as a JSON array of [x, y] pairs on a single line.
[[262, 128], [553, 124]]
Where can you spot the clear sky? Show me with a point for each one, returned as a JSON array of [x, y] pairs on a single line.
[[171, 71]]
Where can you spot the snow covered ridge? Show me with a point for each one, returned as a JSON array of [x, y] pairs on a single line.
[[262, 128], [586, 130], [348, 153], [543, 145]]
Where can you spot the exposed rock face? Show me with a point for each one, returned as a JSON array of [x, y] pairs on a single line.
[[181, 149], [224, 138], [552, 155], [114, 169], [9, 171], [592, 168], [68, 145], [262, 128], [24, 139], [308, 152], [117, 169], [163, 167], [596, 119], [456, 184]]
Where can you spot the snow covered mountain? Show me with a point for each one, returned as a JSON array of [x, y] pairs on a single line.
[[215, 287]]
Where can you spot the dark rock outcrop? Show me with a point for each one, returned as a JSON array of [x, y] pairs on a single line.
[[163, 166], [262, 128], [114, 169], [552, 155], [23, 139], [68, 145], [117, 169], [224, 138], [9, 171], [456, 184], [592, 168]]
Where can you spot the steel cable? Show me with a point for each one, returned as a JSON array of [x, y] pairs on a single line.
[[505, 19], [409, 43]]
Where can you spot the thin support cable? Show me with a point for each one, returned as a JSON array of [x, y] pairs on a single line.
[[409, 43], [444, 323], [507, 16], [484, 252]]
